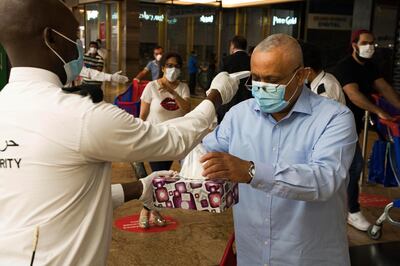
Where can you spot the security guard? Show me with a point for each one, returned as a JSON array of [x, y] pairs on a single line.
[[56, 148]]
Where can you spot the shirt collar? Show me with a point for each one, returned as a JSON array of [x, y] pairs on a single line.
[[317, 79], [19, 74], [302, 104]]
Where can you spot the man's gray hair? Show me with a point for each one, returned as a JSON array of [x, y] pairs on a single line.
[[282, 41]]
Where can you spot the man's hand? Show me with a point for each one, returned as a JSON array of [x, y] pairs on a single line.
[[219, 165], [225, 85], [147, 192], [117, 77]]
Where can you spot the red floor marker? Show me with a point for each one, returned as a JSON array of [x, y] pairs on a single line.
[[131, 224], [372, 200]]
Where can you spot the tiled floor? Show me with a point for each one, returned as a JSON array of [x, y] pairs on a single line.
[[200, 237]]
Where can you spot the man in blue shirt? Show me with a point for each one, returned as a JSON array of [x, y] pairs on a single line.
[[290, 150], [153, 67]]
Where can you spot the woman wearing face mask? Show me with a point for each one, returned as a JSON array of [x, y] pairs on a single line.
[[163, 99]]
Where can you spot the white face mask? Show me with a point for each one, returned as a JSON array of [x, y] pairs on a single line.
[[172, 73], [92, 50], [158, 57], [366, 51]]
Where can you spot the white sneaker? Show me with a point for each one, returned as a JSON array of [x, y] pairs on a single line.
[[358, 221]]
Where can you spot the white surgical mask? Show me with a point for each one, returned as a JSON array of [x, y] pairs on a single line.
[[92, 50], [158, 57], [366, 51], [172, 73]]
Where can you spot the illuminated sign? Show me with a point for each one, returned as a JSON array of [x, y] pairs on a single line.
[[172, 21], [92, 14], [114, 16], [284, 21], [151, 17], [207, 19]]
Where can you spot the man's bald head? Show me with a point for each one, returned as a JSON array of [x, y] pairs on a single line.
[[284, 44], [25, 27]]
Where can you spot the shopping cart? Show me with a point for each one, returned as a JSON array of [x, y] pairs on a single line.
[[384, 163], [129, 100]]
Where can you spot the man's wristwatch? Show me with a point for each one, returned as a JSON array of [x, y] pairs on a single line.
[[252, 171]]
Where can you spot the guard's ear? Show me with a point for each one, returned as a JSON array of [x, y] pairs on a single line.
[[48, 35]]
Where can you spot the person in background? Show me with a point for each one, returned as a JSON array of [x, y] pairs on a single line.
[[318, 80], [57, 189], [360, 78], [290, 151], [153, 66], [102, 51], [251, 50], [93, 60], [193, 68], [211, 68], [238, 60], [163, 99]]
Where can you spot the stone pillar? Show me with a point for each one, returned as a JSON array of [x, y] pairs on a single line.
[[129, 37], [362, 14]]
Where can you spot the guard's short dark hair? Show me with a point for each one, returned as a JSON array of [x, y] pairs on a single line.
[[239, 42], [94, 43], [158, 47], [311, 56], [165, 58]]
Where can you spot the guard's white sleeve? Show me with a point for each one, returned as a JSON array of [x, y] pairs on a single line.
[[111, 134], [118, 196], [94, 74]]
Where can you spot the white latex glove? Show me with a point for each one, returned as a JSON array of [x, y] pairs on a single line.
[[117, 77], [147, 194], [226, 85]]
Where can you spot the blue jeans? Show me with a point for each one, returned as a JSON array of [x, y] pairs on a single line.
[[355, 170]]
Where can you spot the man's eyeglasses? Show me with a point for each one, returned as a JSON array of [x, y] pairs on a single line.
[[172, 65], [249, 86]]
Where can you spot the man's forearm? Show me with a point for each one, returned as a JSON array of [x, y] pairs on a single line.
[[132, 190], [215, 97]]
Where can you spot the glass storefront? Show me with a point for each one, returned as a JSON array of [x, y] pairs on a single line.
[[186, 28], [100, 21]]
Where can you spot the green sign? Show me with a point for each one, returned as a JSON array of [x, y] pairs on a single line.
[[3, 68]]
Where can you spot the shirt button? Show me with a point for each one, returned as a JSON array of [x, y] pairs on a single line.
[[266, 242], [266, 220], [274, 149], [277, 126]]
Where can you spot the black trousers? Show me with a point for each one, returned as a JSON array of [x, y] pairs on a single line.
[[192, 82], [159, 166], [355, 170]]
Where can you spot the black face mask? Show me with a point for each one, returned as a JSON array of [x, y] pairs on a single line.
[[94, 91]]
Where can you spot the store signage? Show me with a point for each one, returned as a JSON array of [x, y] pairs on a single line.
[[207, 19], [172, 21], [329, 22], [151, 17], [92, 14], [284, 21]]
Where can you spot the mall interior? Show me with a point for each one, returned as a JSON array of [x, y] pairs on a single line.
[[129, 30]]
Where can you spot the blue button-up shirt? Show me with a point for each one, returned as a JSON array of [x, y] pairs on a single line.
[[154, 67], [294, 210]]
